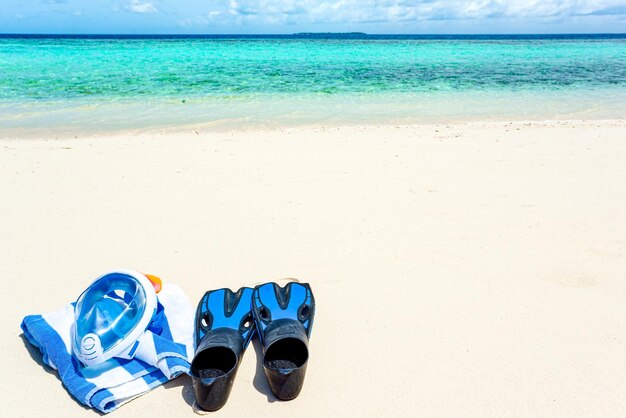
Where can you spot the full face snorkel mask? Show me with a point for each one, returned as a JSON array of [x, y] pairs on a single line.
[[111, 316]]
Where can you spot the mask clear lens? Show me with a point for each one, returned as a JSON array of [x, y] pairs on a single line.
[[111, 315]]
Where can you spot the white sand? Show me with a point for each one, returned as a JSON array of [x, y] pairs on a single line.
[[471, 270]]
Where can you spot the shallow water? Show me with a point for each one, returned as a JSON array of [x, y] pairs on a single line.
[[125, 83]]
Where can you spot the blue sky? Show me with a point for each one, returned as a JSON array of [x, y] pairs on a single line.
[[289, 16]]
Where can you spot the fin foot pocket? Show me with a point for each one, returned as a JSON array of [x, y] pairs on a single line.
[[210, 373], [284, 318], [223, 331]]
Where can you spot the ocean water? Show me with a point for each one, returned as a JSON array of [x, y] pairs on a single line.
[[104, 83]]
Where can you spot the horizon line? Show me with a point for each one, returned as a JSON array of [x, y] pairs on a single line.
[[309, 33]]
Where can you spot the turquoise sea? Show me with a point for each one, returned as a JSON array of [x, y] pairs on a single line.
[[104, 83]]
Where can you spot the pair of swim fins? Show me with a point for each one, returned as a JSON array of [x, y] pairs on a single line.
[[225, 324]]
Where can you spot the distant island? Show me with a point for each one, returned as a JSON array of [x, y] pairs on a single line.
[[330, 34]]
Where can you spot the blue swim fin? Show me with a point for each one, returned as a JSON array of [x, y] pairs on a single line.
[[224, 327], [284, 319]]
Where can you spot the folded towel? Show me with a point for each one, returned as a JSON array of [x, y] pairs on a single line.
[[164, 352]]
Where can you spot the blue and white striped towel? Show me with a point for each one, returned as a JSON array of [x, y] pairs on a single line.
[[165, 350]]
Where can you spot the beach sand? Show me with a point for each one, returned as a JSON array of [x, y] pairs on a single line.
[[465, 270]]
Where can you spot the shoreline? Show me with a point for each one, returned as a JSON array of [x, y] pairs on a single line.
[[203, 131], [292, 111]]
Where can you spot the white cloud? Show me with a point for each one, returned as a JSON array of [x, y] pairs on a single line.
[[137, 6], [298, 12], [288, 16]]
